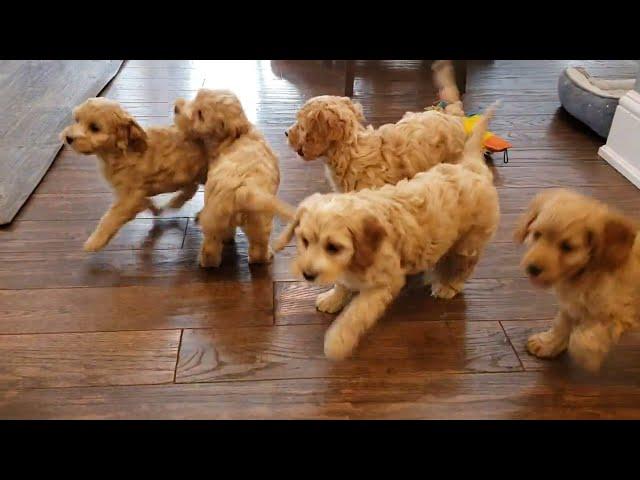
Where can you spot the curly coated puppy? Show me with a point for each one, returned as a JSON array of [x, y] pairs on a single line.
[[137, 163], [359, 157], [590, 255], [243, 177], [445, 80], [368, 241]]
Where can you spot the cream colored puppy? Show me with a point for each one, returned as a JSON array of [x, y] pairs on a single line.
[[590, 255], [243, 176], [359, 157], [137, 163], [368, 241]]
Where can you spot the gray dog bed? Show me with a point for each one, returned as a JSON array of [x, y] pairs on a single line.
[[590, 100]]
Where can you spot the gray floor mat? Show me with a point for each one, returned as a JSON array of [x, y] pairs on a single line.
[[36, 98]]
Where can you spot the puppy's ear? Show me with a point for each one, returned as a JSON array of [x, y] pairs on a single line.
[[236, 127], [131, 136], [533, 210], [335, 123], [366, 242], [612, 245], [355, 107], [178, 105]]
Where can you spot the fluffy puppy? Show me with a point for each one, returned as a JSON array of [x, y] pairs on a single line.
[[368, 241], [445, 80], [590, 255], [359, 157], [243, 176], [137, 163]]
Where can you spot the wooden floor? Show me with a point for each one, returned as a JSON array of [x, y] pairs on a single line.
[[140, 331]]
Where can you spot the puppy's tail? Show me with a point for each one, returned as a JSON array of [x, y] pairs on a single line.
[[473, 156], [252, 200], [444, 78]]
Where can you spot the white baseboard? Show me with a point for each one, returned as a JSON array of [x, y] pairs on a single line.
[[622, 150], [630, 171]]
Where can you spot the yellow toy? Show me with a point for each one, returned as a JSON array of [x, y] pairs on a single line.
[[491, 141]]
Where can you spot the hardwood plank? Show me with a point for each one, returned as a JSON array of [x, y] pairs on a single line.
[[517, 395], [622, 197], [52, 236], [192, 304], [566, 176], [121, 268], [74, 359], [521, 157], [401, 348], [623, 361], [160, 95], [482, 300]]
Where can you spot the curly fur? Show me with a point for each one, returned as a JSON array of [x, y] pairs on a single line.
[[590, 255], [368, 241], [359, 157], [243, 176], [137, 163]]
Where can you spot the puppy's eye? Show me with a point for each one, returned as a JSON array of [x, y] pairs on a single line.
[[566, 246], [536, 235], [200, 116], [176, 110], [305, 242], [332, 248], [94, 127]]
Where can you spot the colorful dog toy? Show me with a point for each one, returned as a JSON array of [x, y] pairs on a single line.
[[492, 142]]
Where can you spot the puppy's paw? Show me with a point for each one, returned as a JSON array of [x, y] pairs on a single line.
[[157, 211], [330, 302], [446, 292], [588, 348], [94, 244], [545, 345], [210, 259], [261, 255], [339, 343]]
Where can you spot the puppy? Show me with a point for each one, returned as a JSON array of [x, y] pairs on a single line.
[[243, 177], [590, 255], [137, 163], [359, 157], [368, 241], [445, 79]]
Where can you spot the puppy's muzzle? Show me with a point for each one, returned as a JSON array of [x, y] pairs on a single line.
[[534, 270], [310, 276]]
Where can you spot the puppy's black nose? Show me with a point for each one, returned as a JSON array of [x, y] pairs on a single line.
[[69, 139], [300, 153], [534, 270], [286, 134], [309, 276]]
